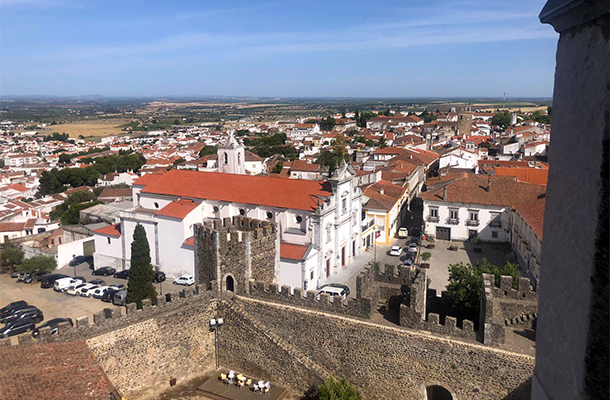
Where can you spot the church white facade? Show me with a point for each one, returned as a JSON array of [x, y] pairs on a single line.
[[318, 222]]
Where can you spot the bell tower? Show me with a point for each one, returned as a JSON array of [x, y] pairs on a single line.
[[231, 156]]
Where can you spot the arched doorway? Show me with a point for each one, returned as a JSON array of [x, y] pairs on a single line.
[[437, 392], [229, 284]]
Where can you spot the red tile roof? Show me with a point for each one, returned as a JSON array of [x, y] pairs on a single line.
[[472, 189], [11, 226], [529, 175], [267, 191], [292, 251], [383, 195], [52, 371], [533, 213], [190, 241], [390, 150], [178, 209], [112, 230], [148, 178]]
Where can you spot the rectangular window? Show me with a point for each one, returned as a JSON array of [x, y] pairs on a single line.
[[434, 212], [381, 223], [311, 275], [344, 206], [494, 234], [474, 215], [453, 214]]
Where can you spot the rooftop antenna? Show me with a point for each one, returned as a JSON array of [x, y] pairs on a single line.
[[504, 102]]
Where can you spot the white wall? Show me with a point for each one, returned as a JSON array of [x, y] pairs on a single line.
[[65, 251]]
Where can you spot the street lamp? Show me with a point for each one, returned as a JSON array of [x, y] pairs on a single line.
[[73, 257], [215, 325]]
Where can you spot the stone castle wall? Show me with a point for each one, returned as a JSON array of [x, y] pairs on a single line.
[[383, 362]]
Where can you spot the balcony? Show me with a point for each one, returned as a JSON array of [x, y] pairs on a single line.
[[367, 225], [432, 219], [472, 222], [453, 221]]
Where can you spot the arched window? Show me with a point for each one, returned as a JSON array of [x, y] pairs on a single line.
[[437, 392], [226, 157], [216, 209], [156, 205], [242, 211], [238, 158], [269, 214], [299, 219]]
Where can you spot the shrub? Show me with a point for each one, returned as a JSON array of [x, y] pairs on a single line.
[[426, 256], [334, 389]]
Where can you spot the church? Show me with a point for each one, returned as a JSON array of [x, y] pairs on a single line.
[[318, 221]]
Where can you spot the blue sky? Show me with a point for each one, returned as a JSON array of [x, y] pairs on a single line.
[[276, 48]]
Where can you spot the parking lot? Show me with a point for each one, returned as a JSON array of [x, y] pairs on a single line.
[[58, 305]]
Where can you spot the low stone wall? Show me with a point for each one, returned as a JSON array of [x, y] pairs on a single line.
[[382, 362]]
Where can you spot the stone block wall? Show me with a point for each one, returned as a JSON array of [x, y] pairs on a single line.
[[383, 362], [362, 307], [242, 247], [503, 306]]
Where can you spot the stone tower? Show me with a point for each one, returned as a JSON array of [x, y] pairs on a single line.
[[465, 120], [231, 157]]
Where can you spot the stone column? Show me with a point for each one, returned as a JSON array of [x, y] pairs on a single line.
[[572, 331]]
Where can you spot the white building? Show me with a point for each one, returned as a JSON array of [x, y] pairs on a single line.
[[527, 228], [301, 131], [465, 156], [476, 206], [318, 222], [18, 160]]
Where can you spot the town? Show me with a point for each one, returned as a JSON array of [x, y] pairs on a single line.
[[328, 201]]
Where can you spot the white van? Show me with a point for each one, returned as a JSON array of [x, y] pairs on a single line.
[[61, 285], [333, 292]]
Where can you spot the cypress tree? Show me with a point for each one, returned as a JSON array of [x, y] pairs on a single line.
[[141, 273]]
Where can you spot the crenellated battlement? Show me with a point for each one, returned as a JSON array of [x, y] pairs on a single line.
[[237, 224], [116, 318], [361, 307]]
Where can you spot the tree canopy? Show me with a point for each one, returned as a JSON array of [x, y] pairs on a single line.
[[501, 119], [68, 212], [465, 282], [38, 263], [10, 256], [333, 389], [207, 150], [140, 285]]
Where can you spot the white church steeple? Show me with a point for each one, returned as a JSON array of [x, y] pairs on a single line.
[[231, 157]]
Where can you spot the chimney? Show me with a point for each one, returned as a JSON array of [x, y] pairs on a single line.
[[489, 184], [445, 193], [381, 191]]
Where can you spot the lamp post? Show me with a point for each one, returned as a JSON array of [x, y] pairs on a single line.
[[215, 325], [73, 257]]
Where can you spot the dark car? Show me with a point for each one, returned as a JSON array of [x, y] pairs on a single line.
[[415, 232], [29, 312], [159, 277], [52, 323], [16, 328], [336, 285], [104, 271], [108, 295], [49, 281], [80, 278], [122, 274], [14, 274], [38, 276], [15, 305], [78, 260], [100, 282]]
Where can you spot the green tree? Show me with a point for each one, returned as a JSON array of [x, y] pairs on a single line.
[[387, 112], [465, 283], [426, 256], [10, 256], [501, 119], [328, 124], [278, 167], [207, 150], [140, 285], [38, 263], [333, 389]]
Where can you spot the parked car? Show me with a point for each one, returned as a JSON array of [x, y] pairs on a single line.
[[13, 311], [395, 251], [159, 277], [337, 285], [21, 276], [98, 281], [415, 232], [122, 274], [411, 255], [413, 247], [52, 323], [74, 289], [81, 278], [408, 262], [186, 280], [403, 233], [120, 286], [109, 295], [120, 298], [333, 292], [87, 291], [14, 274], [99, 292], [15, 305], [38, 276], [29, 312], [78, 260], [49, 281], [17, 327], [104, 271], [61, 285]]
